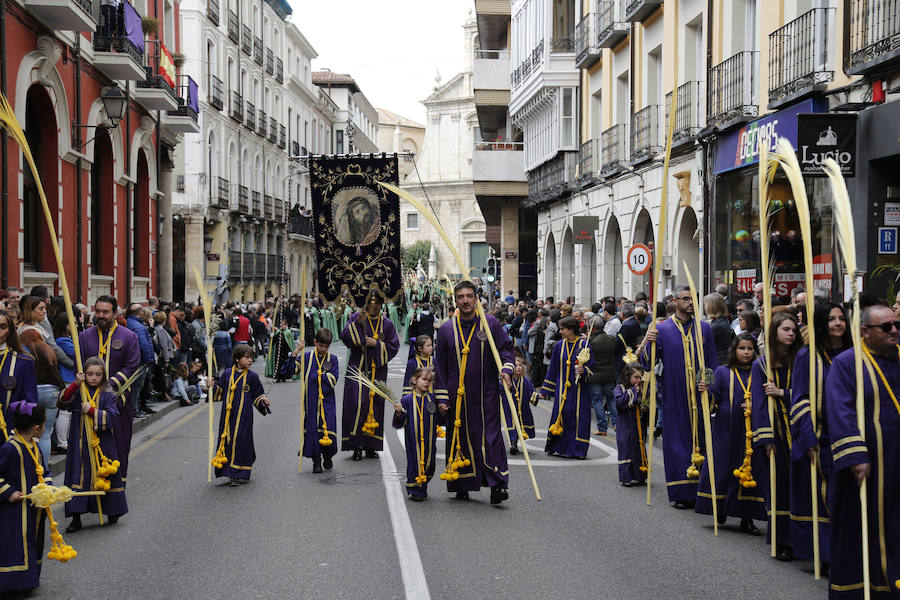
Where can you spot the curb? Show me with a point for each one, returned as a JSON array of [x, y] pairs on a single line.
[[58, 462]]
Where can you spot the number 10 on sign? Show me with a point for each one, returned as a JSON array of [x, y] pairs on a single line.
[[639, 259]]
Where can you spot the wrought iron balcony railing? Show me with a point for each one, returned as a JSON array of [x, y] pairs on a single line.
[[246, 40], [552, 179], [295, 149], [614, 149], [114, 36], [235, 268], [874, 34], [646, 135], [282, 137], [799, 58], [212, 11], [279, 70], [688, 120], [155, 78], [258, 51], [261, 123], [250, 120], [587, 50], [243, 203], [223, 194], [279, 209], [611, 25], [562, 45], [638, 10], [532, 59], [273, 130], [731, 89], [216, 92], [234, 31], [589, 163], [256, 204], [300, 224], [237, 107], [267, 207], [270, 61]]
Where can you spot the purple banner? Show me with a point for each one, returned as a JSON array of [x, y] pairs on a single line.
[[193, 102], [133, 31]]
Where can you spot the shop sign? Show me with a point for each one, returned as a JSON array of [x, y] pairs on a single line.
[[891, 213], [741, 148], [507, 255], [785, 283], [822, 271], [826, 135], [583, 229], [887, 240], [746, 280]]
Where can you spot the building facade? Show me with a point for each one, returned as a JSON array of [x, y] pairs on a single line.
[[355, 128], [108, 176], [397, 134]]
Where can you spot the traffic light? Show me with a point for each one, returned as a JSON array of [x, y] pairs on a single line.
[[492, 269]]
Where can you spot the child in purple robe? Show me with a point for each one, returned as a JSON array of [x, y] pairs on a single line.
[[522, 390], [424, 348], [320, 420], [102, 412], [21, 523], [631, 428], [238, 389], [416, 414]]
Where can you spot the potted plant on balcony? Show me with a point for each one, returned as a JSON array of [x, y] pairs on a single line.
[[149, 25], [178, 60]]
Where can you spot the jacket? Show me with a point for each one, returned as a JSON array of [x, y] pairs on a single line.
[[603, 349], [148, 356], [166, 345]]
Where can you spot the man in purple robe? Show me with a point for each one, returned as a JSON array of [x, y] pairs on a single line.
[[118, 348], [870, 457], [676, 349], [466, 377], [373, 342]]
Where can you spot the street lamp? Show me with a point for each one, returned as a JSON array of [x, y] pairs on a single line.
[[114, 105]]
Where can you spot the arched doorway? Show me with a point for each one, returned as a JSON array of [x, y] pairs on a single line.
[[643, 234], [550, 267], [567, 272], [688, 248], [588, 278], [141, 257], [41, 133], [102, 206], [612, 259]]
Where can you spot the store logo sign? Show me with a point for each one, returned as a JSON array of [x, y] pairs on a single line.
[[823, 136]]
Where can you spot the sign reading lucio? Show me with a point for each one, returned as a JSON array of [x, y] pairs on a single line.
[[826, 135]]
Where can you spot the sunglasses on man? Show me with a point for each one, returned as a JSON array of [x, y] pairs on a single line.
[[886, 327]]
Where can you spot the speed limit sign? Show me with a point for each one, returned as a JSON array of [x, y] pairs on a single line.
[[639, 259]]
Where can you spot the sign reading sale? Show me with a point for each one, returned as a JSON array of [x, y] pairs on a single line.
[[746, 279], [785, 283]]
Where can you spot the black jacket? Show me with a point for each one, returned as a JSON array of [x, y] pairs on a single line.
[[603, 350]]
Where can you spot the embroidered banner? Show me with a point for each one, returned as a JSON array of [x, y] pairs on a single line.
[[357, 225]]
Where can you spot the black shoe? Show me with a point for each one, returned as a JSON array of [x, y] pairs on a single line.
[[415, 498], [462, 495], [657, 432], [784, 554], [825, 569], [317, 464], [683, 505], [749, 528], [75, 525], [499, 494], [326, 462], [147, 410], [514, 448], [627, 484], [371, 453], [113, 519], [357, 454], [234, 482], [721, 517]]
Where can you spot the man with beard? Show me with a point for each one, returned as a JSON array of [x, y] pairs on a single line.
[[357, 223], [120, 352]]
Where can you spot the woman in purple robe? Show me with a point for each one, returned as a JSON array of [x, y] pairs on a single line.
[[569, 433], [522, 389], [103, 413], [631, 428], [730, 394], [416, 415], [869, 457], [17, 378], [238, 389], [811, 443], [320, 418], [775, 437], [21, 523], [373, 342]]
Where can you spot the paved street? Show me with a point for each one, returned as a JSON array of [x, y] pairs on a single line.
[[346, 533]]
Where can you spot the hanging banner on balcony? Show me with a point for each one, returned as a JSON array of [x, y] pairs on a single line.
[[193, 97], [828, 135], [133, 30], [166, 65], [357, 228]]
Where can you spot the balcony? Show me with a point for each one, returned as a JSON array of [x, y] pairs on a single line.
[[646, 134], [237, 107], [267, 207], [295, 149], [250, 118], [119, 46], [246, 40], [688, 120], [589, 163], [531, 61], [587, 50], [279, 209], [638, 10], [282, 137], [234, 31], [490, 71], [259, 266], [279, 70], [611, 27], [185, 119], [258, 50], [800, 62], [614, 150], [157, 90], [235, 268], [223, 195], [731, 90], [273, 130], [243, 204], [261, 122], [69, 15], [874, 36], [300, 224], [274, 266], [499, 161], [212, 11], [562, 45], [270, 61], [216, 93], [552, 179], [256, 204]]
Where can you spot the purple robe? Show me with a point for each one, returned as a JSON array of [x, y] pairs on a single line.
[[631, 431], [356, 397], [312, 420], [17, 382], [881, 449], [675, 401], [21, 524], [411, 365], [239, 451], [805, 437], [576, 410], [522, 389], [78, 459], [766, 432], [482, 440], [420, 408], [729, 439], [123, 360]]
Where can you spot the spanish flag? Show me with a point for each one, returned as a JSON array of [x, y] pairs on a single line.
[[166, 65]]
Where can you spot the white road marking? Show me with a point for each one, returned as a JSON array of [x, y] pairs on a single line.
[[414, 582]]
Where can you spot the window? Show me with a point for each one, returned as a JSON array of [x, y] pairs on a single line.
[[339, 142], [412, 220], [568, 118]]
